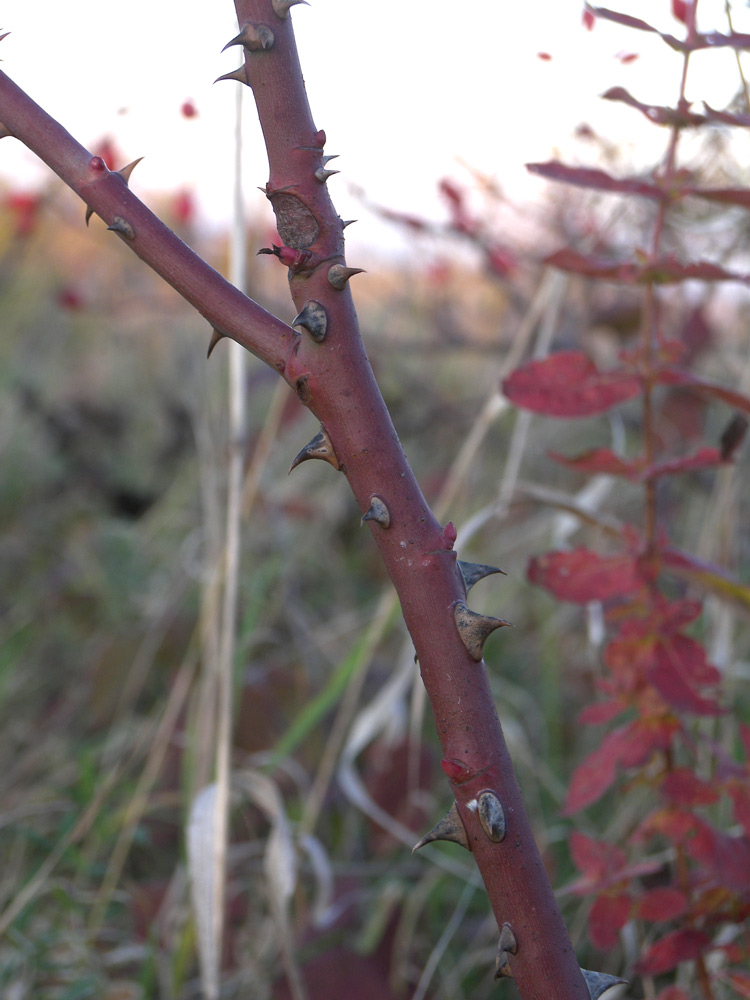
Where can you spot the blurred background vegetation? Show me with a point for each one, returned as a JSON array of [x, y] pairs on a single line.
[[113, 442]]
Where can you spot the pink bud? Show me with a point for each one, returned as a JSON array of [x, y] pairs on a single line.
[[450, 534], [456, 770]]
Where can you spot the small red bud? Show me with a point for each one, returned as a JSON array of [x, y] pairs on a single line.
[[319, 139], [456, 770], [188, 109], [295, 260], [97, 163], [450, 535]]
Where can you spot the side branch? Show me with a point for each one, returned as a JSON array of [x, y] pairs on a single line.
[[106, 192]]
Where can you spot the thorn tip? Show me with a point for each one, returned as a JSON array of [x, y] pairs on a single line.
[[319, 447], [474, 628], [449, 828]]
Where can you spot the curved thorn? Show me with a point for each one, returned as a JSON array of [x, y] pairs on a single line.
[[216, 336], [281, 7], [347, 222], [600, 982], [253, 37], [123, 227], [322, 174], [89, 213], [378, 512], [474, 572], [339, 275], [240, 75], [128, 169], [319, 447], [507, 945], [314, 319], [327, 159], [449, 828], [474, 628]]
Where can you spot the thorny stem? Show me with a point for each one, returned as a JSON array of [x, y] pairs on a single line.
[[333, 378]]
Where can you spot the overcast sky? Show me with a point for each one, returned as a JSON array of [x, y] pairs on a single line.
[[404, 90]]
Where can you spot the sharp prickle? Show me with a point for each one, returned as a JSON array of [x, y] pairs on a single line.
[[599, 982], [319, 447], [474, 572], [253, 37], [474, 628], [313, 317], [339, 275], [239, 74], [281, 7], [322, 174], [128, 169], [449, 828], [378, 512], [123, 227], [216, 336]]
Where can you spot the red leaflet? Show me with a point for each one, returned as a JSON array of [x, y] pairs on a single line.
[[589, 177], [662, 904], [600, 460], [672, 993], [607, 917], [664, 271], [568, 384], [582, 575], [684, 788], [593, 777], [595, 859], [706, 458], [680, 667], [658, 114], [685, 379], [679, 946], [605, 711], [680, 10], [588, 20]]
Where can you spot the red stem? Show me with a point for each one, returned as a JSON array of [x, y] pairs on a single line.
[[334, 380]]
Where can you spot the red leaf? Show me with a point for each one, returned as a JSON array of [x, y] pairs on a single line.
[[595, 858], [597, 773], [599, 460], [662, 904], [672, 993], [589, 177], [706, 458], [588, 19], [596, 715], [663, 271], [680, 10], [627, 57], [582, 575], [725, 196], [607, 917], [568, 384], [658, 114], [678, 946], [686, 380], [740, 796], [680, 666], [544, 56], [684, 788]]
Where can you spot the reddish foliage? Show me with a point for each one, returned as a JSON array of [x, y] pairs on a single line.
[[24, 206], [568, 384], [659, 905], [582, 575], [669, 951], [607, 917]]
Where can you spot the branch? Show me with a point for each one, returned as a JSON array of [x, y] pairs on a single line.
[[327, 366]]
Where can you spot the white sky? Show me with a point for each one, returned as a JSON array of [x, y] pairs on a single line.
[[403, 88]]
